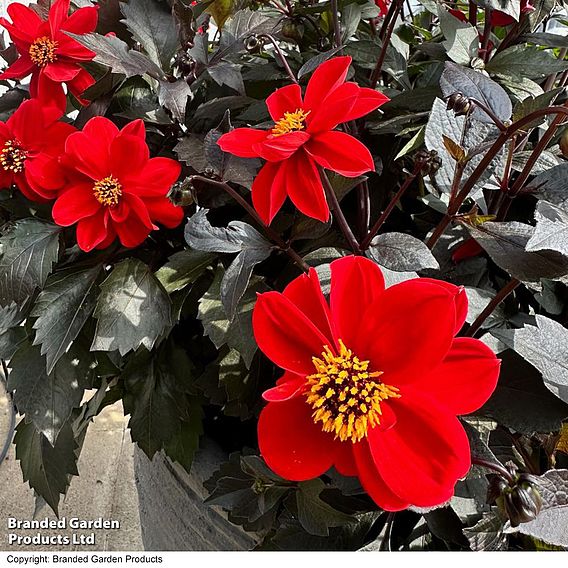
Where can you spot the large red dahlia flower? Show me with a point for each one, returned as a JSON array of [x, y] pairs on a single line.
[[46, 51], [31, 141], [303, 137], [115, 188], [373, 382]]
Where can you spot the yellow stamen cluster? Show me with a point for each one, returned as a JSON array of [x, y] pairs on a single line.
[[42, 51], [13, 156], [345, 396], [291, 122], [108, 191]]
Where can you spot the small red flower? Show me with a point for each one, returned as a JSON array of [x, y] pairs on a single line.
[[383, 6], [31, 141], [303, 137], [115, 188], [373, 382], [46, 51]]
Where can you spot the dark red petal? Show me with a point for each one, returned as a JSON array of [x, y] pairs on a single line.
[[305, 292], [291, 444], [422, 457], [372, 481], [285, 335], [242, 142], [345, 460], [133, 231], [128, 154], [138, 209], [155, 179], [286, 99], [75, 204], [82, 21], [163, 211], [325, 79], [135, 128], [91, 231], [460, 298], [341, 153], [356, 284], [80, 84], [22, 67], [367, 101], [278, 148], [465, 379], [269, 191], [58, 14], [408, 330], [287, 386], [305, 189]]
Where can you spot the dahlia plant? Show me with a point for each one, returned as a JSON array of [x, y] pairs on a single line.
[[329, 237]]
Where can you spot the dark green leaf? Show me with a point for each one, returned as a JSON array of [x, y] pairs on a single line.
[[183, 268], [551, 231], [45, 467], [462, 39], [552, 185], [532, 103], [521, 61], [401, 252], [133, 309], [29, 251], [174, 97], [312, 64], [227, 73], [62, 309], [487, 534]]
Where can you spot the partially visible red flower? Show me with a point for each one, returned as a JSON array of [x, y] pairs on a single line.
[[115, 188], [468, 249], [499, 18], [373, 382], [383, 6], [31, 141], [46, 51], [303, 137]]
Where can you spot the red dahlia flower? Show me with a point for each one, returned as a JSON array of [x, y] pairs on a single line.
[[31, 141], [115, 188], [373, 382], [46, 51], [303, 138]]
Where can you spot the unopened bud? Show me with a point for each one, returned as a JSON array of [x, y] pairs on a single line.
[[459, 103], [253, 44], [429, 162]]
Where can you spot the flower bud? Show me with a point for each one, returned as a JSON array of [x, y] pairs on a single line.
[[459, 103], [253, 44], [428, 161]]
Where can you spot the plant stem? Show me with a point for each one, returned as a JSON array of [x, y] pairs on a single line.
[[484, 49], [270, 233], [281, 56], [385, 35], [392, 204], [498, 468], [490, 308], [363, 208], [336, 26], [335, 207], [472, 15]]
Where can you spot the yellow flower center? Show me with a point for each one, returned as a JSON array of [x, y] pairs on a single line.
[[42, 51], [345, 396], [13, 156], [291, 122], [108, 191]]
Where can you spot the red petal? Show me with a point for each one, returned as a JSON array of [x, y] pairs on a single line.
[[333, 110], [72, 50], [90, 160], [82, 21], [25, 121], [135, 128], [305, 188], [408, 330], [286, 99], [291, 444], [356, 284], [285, 335], [61, 71], [269, 190], [345, 460], [75, 204], [242, 141], [341, 153], [44, 174], [51, 95], [424, 454], [372, 481], [155, 179], [460, 298], [325, 79], [287, 386], [24, 19], [58, 14], [163, 211], [277, 148], [128, 155], [465, 379], [132, 232], [91, 231], [367, 101], [305, 292], [22, 67], [80, 84]]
